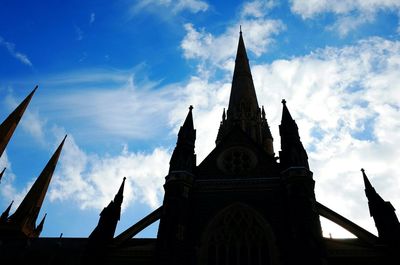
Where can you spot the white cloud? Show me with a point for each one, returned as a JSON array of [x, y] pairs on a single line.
[[92, 18], [350, 13], [79, 33], [16, 54], [310, 8], [92, 181], [220, 50], [109, 103], [8, 191], [176, 6], [257, 8]]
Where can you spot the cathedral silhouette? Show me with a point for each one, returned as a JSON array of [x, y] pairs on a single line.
[[241, 205]]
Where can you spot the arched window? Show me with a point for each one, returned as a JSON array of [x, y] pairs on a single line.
[[238, 235]]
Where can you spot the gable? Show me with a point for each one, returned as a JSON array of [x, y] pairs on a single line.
[[237, 156]]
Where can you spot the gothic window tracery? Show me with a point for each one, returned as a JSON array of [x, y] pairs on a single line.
[[237, 236]]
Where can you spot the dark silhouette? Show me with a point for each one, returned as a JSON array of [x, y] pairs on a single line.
[[8, 126], [240, 205], [22, 223]]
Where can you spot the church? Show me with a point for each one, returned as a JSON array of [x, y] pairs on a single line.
[[244, 204]]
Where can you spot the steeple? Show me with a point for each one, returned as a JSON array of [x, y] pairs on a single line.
[[2, 173], [183, 158], [8, 126], [383, 212], [27, 212], [293, 153], [109, 217], [243, 94], [5, 214], [243, 110]]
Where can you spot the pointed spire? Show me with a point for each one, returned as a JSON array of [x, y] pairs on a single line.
[[293, 153], [287, 119], [39, 228], [8, 126], [6, 213], [119, 197], [27, 212], [183, 157], [186, 130], [383, 212], [223, 115], [243, 94], [243, 110], [109, 217], [367, 184], [2, 173]]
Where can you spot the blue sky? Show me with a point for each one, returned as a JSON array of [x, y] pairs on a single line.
[[118, 77]]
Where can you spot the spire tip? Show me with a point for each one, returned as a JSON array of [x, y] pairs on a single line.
[[283, 101]]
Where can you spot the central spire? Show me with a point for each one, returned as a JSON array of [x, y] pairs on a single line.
[[243, 95], [243, 110]]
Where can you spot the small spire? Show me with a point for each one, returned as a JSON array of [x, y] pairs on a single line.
[[367, 183], [120, 194], [240, 29], [286, 116], [2, 173], [6, 213], [223, 115], [8, 126], [39, 228], [187, 128]]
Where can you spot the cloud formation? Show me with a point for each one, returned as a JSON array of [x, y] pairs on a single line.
[[176, 6], [92, 181], [350, 13], [218, 51], [14, 53]]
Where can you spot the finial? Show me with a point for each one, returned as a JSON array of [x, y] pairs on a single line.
[[124, 178], [61, 235], [362, 170], [190, 107], [283, 101], [223, 115], [240, 28]]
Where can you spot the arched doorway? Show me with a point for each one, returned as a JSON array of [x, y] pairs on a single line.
[[238, 235]]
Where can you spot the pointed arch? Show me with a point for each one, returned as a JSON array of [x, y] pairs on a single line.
[[238, 234]]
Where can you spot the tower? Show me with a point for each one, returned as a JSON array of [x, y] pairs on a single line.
[[239, 205], [299, 188], [172, 238]]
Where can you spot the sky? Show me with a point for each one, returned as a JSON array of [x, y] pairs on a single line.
[[118, 78]]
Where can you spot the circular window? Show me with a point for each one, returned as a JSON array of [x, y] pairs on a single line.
[[237, 160]]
